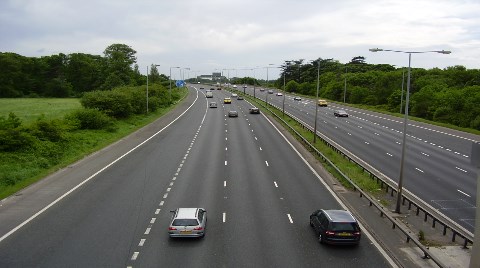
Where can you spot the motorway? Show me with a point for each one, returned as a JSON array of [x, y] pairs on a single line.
[[257, 190], [437, 168]]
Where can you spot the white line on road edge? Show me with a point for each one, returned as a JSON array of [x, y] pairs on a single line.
[[224, 217], [365, 231], [290, 218], [92, 176]]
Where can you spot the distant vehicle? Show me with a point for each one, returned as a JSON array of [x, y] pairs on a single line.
[[279, 94], [232, 114], [212, 88], [234, 86], [340, 113], [297, 98], [234, 95], [227, 101], [335, 227], [239, 98], [219, 88], [209, 94], [198, 82], [188, 222], [201, 87], [244, 86], [322, 103], [270, 91], [254, 110], [262, 89], [212, 104]]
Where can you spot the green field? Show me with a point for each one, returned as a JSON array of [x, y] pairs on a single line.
[[29, 109]]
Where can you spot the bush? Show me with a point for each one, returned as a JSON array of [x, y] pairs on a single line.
[[115, 103], [47, 130], [15, 139], [90, 119]]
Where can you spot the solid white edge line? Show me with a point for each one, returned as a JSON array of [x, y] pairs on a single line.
[[365, 231], [92, 176]]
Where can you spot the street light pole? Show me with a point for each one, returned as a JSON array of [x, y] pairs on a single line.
[[401, 97], [345, 90], [170, 88], [405, 120], [316, 104]]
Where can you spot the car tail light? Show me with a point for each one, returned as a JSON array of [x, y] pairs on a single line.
[[329, 233], [356, 233], [172, 228], [198, 228]]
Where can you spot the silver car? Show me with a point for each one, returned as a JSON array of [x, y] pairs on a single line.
[[188, 222]]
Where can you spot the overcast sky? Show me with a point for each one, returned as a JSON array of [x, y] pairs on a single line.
[[205, 35]]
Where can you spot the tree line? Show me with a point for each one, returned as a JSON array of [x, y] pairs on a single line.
[[71, 75], [450, 95]]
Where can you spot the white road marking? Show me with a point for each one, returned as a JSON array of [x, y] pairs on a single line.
[[290, 218], [266, 162], [142, 241], [397, 142], [377, 134], [178, 169], [181, 165], [152, 221], [161, 203], [461, 169], [224, 183], [464, 193], [135, 255], [165, 195], [226, 149], [226, 138], [157, 211], [224, 216], [171, 183], [389, 154], [419, 170], [367, 142], [225, 162], [168, 189], [148, 230], [174, 178], [256, 139], [276, 185], [349, 134]]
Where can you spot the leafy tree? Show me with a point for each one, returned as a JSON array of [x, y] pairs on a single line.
[[119, 61]]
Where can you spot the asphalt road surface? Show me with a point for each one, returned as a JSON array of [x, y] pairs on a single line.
[[257, 190], [437, 168]]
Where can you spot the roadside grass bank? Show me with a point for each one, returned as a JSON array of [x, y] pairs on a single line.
[[30, 109], [20, 169]]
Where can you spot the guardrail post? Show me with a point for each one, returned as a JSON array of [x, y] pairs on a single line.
[[426, 216], [434, 221], [453, 236]]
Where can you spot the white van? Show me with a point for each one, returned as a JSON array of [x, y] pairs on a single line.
[[209, 94]]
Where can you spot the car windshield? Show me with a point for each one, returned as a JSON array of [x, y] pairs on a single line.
[[344, 226], [185, 222]]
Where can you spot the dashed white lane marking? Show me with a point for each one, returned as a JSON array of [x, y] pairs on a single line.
[[419, 170], [224, 217], [290, 218], [161, 203], [174, 178], [266, 162], [397, 142], [165, 195], [367, 142], [225, 162], [226, 138], [461, 169], [142, 242], [260, 148], [377, 134], [135, 255], [168, 189], [276, 185], [147, 231], [226, 149], [463, 193], [256, 139], [152, 221], [389, 154], [171, 183], [425, 154], [349, 134], [157, 211], [224, 183], [178, 170]]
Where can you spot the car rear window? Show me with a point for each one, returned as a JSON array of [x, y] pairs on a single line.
[[344, 226], [185, 222]]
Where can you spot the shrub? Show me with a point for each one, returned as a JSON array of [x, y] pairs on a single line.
[[15, 139], [47, 130], [90, 119]]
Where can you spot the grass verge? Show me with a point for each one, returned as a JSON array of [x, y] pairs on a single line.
[[28, 167]]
